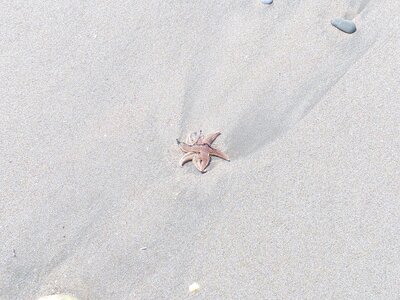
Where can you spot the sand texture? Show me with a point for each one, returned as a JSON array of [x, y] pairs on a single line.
[[93, 202]]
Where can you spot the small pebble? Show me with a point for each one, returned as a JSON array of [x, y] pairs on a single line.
[[344, 25], [194, 287], [267, 1]]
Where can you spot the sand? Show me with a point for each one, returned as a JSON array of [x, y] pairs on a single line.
[[93, 202]]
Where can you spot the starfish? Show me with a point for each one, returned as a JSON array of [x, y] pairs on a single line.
[[198, 149]]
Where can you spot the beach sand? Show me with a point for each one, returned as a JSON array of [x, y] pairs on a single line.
[[93, 202]]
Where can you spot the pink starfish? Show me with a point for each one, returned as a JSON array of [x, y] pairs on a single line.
[[198, 149]]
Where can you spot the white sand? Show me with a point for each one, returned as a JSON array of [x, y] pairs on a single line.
[[93, 204]]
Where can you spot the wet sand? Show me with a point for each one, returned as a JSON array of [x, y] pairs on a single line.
[[93, 202]]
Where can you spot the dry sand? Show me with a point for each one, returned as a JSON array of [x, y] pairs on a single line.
[[93, 203]]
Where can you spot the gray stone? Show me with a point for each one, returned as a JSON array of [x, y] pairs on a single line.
[[344, 25], [267, 1]]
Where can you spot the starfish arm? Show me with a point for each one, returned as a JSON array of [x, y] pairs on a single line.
[[197, 163], [210, 138], [205, 160], [185, 158], [219, 154], [191, 148]]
